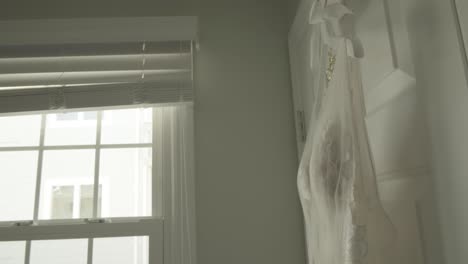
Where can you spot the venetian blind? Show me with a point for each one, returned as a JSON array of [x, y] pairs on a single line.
[[101, 64]]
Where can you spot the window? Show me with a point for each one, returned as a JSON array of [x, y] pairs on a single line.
[[66, 116], [75, 116], [96, 141], [65, 167], [60, 182], [71, 201]]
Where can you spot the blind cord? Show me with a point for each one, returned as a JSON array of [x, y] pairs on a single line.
[[139, 92], [57, 95]]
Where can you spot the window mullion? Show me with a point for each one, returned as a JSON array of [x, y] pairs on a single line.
[[156, 164], [40, 158], [90, 250], [76, 147], [151, 227], [39, 168], [97, 164], [27, 253], [76, 201], [97, 158]]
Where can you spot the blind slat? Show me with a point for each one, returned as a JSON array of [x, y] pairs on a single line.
[[105, 95], [94, 63], [89, 75], [92, 49], [22, 80]]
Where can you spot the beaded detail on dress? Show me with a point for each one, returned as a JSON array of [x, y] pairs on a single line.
[[331, 65]]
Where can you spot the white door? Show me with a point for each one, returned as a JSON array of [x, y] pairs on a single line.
[[396, 125], [395, 120]]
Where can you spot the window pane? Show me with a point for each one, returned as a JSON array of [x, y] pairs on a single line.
[[125, 177], [67, 116], [70, 251], [62, 169], [90, 115], [68, 129], [17, 185], [12, 252], [62, 202], [127, 126], [131, 250], [20, 130], [86, 201]]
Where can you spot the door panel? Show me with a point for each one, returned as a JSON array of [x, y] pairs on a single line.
[[396, 123]]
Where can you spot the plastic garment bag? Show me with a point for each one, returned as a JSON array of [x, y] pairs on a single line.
[[345, 221]]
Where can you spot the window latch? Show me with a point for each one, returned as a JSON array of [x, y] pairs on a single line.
[[23, 223], [95, 220]]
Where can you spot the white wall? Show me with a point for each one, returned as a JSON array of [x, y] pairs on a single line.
[[247, 205]]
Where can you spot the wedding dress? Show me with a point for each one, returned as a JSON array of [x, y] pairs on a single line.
[[345, 221]]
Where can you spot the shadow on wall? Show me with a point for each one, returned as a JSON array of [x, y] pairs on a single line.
[[358, 7], [349, 24], [422, 22]]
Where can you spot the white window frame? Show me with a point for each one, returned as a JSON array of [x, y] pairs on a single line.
[[164, 233], [95, 227]]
